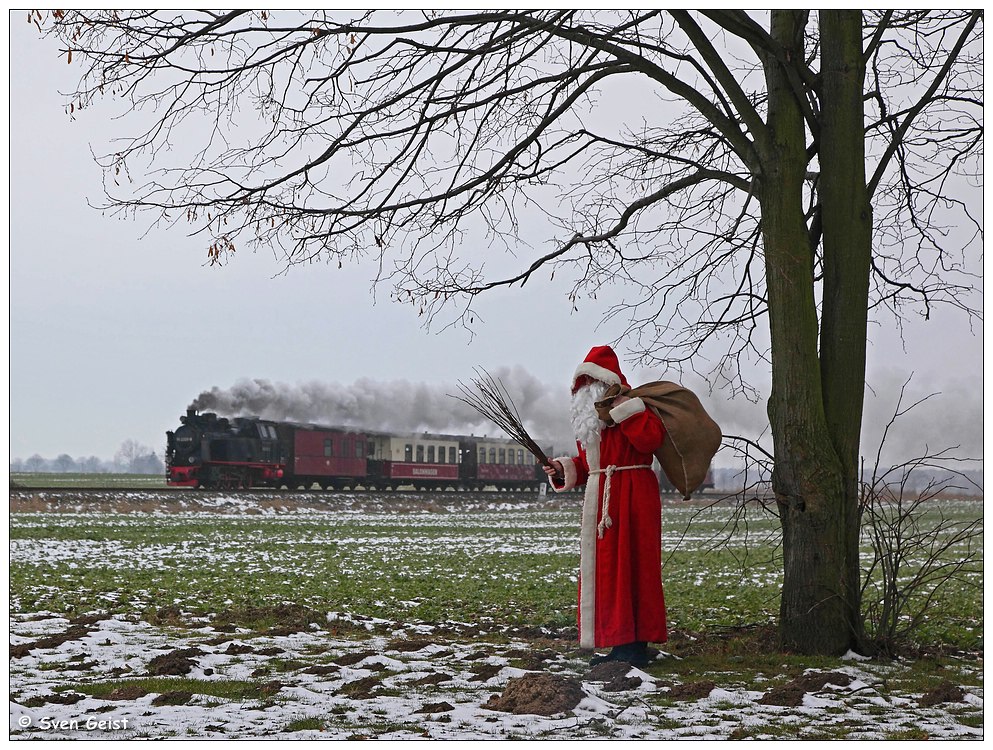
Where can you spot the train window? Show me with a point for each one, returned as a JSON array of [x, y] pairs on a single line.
[[328, 448], [492, 455], [359, 449], [408, 453], [482, 455], [420, 454], [430, 454], [441, 454], [510, 456], [452, 455], [502, 456], [520, 456]]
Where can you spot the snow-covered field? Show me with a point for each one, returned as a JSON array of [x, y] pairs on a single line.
[[355, 656], [437, 690]]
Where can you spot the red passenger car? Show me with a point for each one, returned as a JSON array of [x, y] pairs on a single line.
[[328, 457]]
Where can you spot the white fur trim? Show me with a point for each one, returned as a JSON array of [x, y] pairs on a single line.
[[587, 550], [627, 409], [569, 468], [597, 373]]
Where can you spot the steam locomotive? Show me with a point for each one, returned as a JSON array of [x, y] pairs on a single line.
[[219, 453]]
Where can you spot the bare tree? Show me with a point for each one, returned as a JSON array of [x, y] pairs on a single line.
[[148, 463], [131, 456], [64, 463], [734, 172], [90, 465]]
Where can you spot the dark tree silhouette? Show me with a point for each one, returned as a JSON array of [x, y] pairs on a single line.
[[735, 173]]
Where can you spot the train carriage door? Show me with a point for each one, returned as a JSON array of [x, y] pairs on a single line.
[[467, 460]]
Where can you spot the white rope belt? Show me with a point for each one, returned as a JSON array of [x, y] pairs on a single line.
[[605, 520]]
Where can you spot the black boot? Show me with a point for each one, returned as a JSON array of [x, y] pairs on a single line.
[[635, 654], [638, 654], [601, 658]]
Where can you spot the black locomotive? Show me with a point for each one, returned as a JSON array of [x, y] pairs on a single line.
[[211, 451]]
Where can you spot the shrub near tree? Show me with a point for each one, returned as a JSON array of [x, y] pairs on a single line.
[[788, 169]]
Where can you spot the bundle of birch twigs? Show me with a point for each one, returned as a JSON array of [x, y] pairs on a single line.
[[489, 397]]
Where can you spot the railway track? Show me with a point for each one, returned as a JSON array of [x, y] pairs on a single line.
[[261, 491]]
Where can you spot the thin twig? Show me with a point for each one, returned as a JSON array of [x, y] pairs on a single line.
[[489, 397]]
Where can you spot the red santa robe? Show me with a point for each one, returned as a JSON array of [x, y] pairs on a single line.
[[620, 598]]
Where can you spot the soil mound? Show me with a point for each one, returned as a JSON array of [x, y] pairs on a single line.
[[280, 619], [173, 698], [606, 671], [79, 628], [946, 692], [541, 693], [791, 694], [175, 663], [614, 675], [691, 691]]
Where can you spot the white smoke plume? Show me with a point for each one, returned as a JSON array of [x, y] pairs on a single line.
[[395, 406]]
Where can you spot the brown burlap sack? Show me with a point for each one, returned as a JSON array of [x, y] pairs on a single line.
[[692, 436]]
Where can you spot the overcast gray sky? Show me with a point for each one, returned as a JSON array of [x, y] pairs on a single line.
[[115, 328]]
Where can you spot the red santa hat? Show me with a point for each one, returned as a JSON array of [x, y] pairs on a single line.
[[600, 364]]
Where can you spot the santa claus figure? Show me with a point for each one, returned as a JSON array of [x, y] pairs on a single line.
[[621, 604]]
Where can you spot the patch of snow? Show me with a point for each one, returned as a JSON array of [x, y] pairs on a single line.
[[853, 656]]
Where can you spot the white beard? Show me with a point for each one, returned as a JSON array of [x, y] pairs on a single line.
[[582, 412]]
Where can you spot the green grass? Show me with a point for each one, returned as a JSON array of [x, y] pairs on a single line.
[[304, 725], [908, 734], [228, 690], [513, 568], [82, 481], [771, 731], [327, 564]]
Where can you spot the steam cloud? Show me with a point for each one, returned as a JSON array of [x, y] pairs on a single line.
[[395, 406], [403, 407], [952, 417]]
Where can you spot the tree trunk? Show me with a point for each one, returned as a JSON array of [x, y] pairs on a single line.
[[815, 614], [847, 241]]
